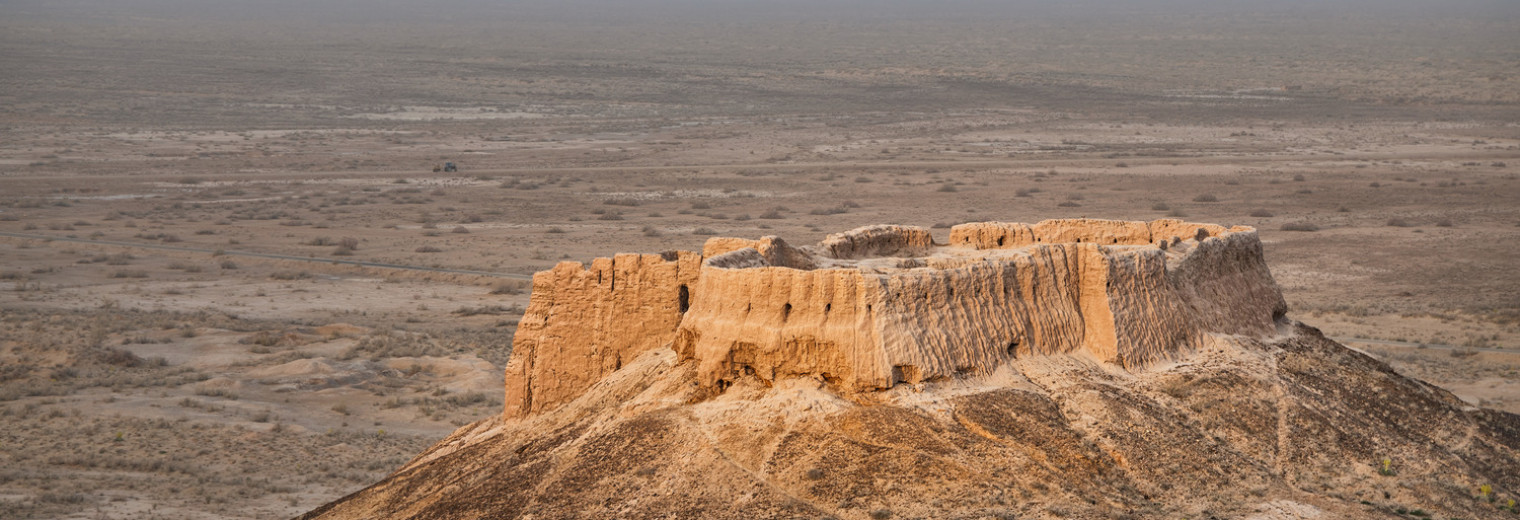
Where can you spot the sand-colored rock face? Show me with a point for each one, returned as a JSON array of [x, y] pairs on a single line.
[[882, 305]]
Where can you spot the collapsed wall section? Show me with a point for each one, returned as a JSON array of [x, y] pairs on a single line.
[[877, 241]]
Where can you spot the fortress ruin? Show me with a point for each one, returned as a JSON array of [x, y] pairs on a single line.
[[878, 306]]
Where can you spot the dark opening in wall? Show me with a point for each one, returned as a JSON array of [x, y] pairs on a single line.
[[786, 311], [683, 299], [1013, 347], [1000, 241]]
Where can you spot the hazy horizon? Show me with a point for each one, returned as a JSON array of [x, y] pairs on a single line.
[[371, 11]]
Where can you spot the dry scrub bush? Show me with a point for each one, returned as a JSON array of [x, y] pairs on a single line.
[[507, 288]]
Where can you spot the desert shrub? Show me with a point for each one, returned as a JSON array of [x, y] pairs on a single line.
[[289, 275], [704, 231], [830, 211], [1068, 204], [701, 205], [554, 231], [947, 188], [651, 231], [489, 310], [1207, 197], [428, 249], [1398, 222], [610, 215], [1445, 222], [772, 214], [217, 392], [1160, 206], [1300, 226], [129, 273], [622, 202], [507, 288], [460, 230], [1261, 213]]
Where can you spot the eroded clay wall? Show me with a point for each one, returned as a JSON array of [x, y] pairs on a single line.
[[1151, 320], [869, 331], [1226, 285], [583, 322], [783, 322]]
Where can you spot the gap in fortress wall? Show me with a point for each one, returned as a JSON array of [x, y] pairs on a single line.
[[881, 305]]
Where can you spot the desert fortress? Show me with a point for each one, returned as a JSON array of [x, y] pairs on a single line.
[[884, 305]]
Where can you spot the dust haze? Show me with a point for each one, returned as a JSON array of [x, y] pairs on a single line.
[[236, 280]]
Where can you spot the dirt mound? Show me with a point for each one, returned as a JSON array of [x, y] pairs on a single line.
[[1068, 369]]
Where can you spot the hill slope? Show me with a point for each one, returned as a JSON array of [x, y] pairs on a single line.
[[1224, 420]]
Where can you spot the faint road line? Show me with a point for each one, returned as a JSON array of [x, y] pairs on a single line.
[[251, 254]]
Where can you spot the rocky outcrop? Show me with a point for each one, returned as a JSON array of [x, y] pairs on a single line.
[[883, 305]]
